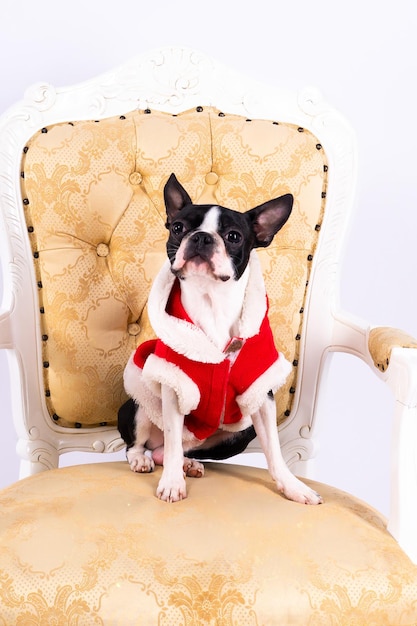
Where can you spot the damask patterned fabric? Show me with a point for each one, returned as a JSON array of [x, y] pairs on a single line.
[[381, 342], [93, 545], [93, 197]]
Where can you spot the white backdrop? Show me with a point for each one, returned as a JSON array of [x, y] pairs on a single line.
[[363, 57]]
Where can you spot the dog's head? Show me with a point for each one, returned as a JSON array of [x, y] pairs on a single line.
[[213, 241]]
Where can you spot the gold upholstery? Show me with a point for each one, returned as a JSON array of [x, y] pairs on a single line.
[[93, 196], [233, 553], [381, 342]]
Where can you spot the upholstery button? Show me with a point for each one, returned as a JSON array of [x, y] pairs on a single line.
[[133, 329], [135, 178], [102, 249], [212, 178]]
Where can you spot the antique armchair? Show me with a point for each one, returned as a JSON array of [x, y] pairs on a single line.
[[82, 236]]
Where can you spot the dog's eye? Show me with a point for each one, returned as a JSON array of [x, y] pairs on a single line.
[[233, 237], [177, 228]]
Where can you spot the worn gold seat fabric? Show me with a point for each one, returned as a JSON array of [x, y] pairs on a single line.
[[233, 553]]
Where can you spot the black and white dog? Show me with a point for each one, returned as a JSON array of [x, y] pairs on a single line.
[[205, 387]]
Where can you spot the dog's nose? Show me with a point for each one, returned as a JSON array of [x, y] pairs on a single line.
[[202, 239]]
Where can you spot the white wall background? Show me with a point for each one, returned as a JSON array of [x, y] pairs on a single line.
[[363, 56]]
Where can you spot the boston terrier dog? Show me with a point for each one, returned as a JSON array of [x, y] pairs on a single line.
[[204, 388]]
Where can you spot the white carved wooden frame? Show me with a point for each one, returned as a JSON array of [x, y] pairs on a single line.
[[174, 80]]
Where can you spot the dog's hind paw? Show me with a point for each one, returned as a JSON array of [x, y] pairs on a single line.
[[140, 462], [193, 468]]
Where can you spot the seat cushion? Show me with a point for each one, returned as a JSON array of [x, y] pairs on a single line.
[[92, 544]]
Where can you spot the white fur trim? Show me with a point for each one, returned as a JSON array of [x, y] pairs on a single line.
[[137, 389], [157, 372], [144, 386], [272, 379], [242, 424], [189, 340]]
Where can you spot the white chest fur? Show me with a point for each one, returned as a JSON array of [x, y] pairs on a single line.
[[215, 306]]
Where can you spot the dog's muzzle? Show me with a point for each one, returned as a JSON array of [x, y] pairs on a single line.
[[200, 244]]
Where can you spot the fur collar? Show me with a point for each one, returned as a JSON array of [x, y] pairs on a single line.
[[188, 339]]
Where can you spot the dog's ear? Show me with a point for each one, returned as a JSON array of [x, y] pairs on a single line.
[[268, 218], [175, 197]]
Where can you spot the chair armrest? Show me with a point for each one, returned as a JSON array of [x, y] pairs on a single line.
[[374, 345], [381, 342], [392, 355]]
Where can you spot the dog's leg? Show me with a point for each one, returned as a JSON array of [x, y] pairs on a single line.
[[264, 422], [126, 421], [191, 467], [171, 487], [138, 460]]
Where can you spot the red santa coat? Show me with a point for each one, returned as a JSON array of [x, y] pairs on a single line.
[[213, 390]]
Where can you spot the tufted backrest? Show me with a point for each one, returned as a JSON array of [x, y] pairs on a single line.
[[93, 198]]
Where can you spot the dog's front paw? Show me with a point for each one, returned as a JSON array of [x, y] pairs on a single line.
[[171, 490], [296, 490], [139, 462]]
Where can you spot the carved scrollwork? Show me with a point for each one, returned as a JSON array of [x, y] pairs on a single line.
[[165, 78], [310, 100], [305, 431], [98, 446], [113, 445], [38, 452], [41, 95], [297, 450]]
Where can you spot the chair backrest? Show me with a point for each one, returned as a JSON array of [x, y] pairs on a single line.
[[81, 194]]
